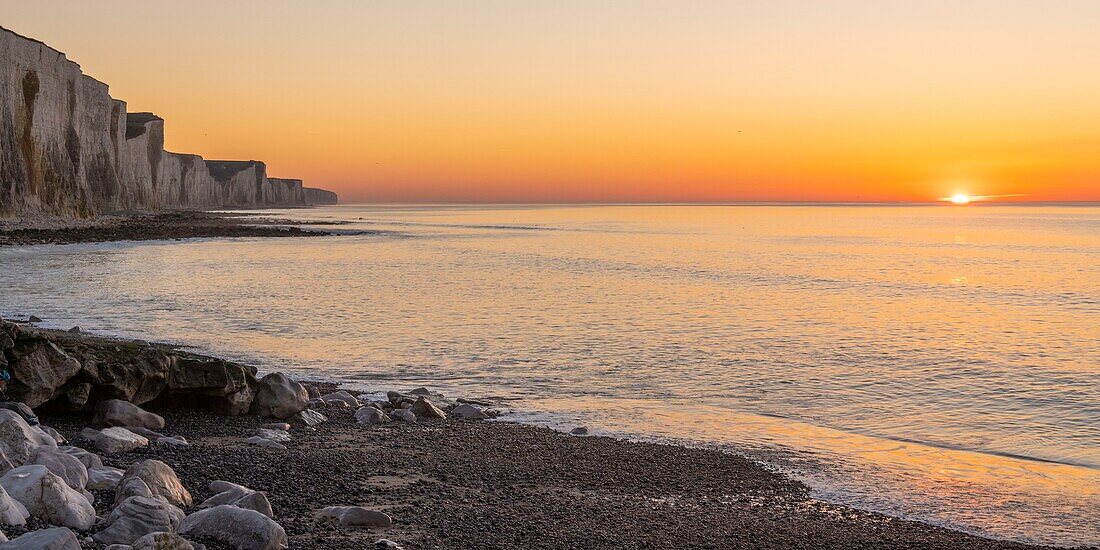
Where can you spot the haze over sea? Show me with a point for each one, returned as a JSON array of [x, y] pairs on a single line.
[[937, 363]]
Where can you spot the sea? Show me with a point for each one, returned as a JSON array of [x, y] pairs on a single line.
[[937, 363]]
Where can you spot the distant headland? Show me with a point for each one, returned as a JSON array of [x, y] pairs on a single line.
[[68, 149]]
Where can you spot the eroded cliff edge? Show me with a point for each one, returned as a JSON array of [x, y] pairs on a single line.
[[67, 148]]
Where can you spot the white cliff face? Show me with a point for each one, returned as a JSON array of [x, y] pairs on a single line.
[[67, 148]]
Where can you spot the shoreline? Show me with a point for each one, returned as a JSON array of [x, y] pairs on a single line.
[[490, 484], [163, 226]]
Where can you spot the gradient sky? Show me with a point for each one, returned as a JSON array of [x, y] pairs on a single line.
[[611, 100]]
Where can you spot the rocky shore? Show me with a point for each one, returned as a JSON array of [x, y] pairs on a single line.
[[148, 227], [146, 446]]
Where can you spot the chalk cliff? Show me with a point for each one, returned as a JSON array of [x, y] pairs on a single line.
[[67, 148]]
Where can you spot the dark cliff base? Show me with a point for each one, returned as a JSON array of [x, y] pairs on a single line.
[[478, 484], [165, 226]]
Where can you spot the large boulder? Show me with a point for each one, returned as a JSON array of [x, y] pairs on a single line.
[[238, 527], [20, 441], [220, 386], [12, 512], [54, 538], [48, 497], [38, 371], [137, 517], [119, 440], [63, 465], [279, 396], [132, 487], [161, 479], [116, 412]]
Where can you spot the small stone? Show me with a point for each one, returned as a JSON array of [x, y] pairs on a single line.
[[342, 396], [174, 441], [162, 541], [579, 431], [119, 440], [34, 319], [100, 479], [420, 391], [387, 544], [116, 412], [425, 409], [404, 415], [278, 436], [75, 330], [370, 416], [277, 426], [307, 417], [257, 440], [469, 412], [145, 432], [356, 516]]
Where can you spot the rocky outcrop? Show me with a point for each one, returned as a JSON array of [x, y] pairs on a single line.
[[67, 148]]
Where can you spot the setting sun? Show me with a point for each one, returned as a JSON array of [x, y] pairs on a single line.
[[960, 198]]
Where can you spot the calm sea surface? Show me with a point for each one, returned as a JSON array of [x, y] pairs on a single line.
[[939, 363]]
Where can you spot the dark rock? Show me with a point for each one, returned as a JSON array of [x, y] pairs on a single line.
[[33, 319]]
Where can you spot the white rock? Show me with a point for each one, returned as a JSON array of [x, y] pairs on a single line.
[[471, 412], [54, 538], [342, 396], [89, 459], [308, 417], [119, 440], [63, 465], [161, 479], [116, 412], [174, 441], [103, 478], [12, 512], [239, 527], [145, 432], [48, 497], [261, 442], [356, 516], [370, 416], [162, 541], [278, 436], [404, 415], [18, 440], [137, 517], [279, 396]]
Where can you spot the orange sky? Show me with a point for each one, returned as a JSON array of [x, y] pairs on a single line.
[[568, 100]]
